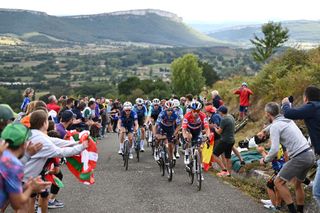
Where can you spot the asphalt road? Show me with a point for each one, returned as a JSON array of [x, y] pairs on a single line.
[[143, 189]]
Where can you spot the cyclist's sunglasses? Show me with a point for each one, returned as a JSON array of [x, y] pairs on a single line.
[[170, 109], [127, 110], [139, 105], [197, 111]]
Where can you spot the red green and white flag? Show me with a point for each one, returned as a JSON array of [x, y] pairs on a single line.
[[82, 166]]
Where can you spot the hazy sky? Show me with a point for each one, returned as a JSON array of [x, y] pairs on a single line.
[[189, 10]]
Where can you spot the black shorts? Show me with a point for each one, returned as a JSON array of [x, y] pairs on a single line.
[[223, 147], [196, 136], [243, 109], [166, 130], [141, 121], [128, 128]]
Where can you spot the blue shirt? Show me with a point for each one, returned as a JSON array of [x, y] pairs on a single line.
[[128, 121], [140, 112], [153, 111], [167, 121], [25, 103], [310, 113], [11, 174]]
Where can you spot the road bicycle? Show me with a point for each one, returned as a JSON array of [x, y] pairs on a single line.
[[194, 168]]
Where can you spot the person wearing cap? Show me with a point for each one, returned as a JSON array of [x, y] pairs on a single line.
[[52, 147], [7, 115], [244, 94], [11, 169], [67, 118], [226, 130]]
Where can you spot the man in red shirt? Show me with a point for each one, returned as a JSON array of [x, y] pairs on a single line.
[[244, 94], [53, 104]]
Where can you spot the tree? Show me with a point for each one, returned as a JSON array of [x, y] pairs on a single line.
[[125, 87], [187, 75], [208, 73], [274, 36]]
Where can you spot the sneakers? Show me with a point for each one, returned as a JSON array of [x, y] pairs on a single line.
[[186, 159], [141, 149], [177, 155], [271, 207], [55, 204], [266, 202], [130, 156], [120, 152], [224, 174], [174, 157]]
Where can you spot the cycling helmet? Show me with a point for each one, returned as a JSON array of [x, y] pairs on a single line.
[[195, 105], [168, 104], [139, 101], [147, 102], [127, 105], [156, 101], [176, 103]]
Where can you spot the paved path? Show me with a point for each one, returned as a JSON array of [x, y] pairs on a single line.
[[143, 189]]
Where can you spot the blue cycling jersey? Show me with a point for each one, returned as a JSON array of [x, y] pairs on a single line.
[[140, 112], [166, 120], [154, 112], [128, 122]]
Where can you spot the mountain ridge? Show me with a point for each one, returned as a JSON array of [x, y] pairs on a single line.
[[145, 25]]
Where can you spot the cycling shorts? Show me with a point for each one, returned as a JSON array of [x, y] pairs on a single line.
[[166, 130]]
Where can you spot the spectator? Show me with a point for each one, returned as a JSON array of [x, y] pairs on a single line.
[[11, 169], [285, 132], [67, 118], [27, 94], [277, 163], [244, 94], [310, 113], [53, 104], [216, 99], [51, 148], [69, 105], [7, 115], [225, 145]]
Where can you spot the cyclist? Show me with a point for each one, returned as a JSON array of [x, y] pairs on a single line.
[[128, 122], [192, 125], [153, 113], [141, 111], [167, 124], [179, 111]]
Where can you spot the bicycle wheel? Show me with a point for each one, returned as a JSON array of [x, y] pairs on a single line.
[[190, 172], [137, 149], [162, 166], [198, 170], [153, 146], [126, 154], [170, 173]]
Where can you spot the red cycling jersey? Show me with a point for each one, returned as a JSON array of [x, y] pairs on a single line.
[[189, 121]]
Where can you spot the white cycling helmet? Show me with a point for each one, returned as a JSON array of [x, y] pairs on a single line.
[[156, 101], [147, 102], [176, 103], [168, 104], [195, 105], [139, 101], [127, 105]]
